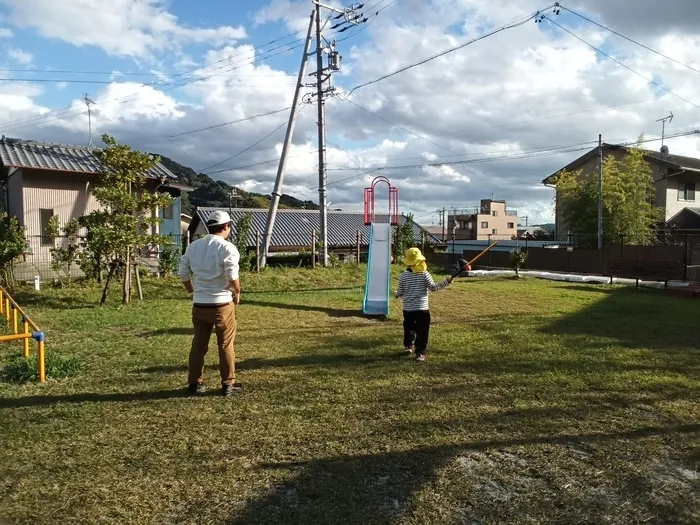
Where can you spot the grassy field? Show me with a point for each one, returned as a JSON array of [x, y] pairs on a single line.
[[540, 402]]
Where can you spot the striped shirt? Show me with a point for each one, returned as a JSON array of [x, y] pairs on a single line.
[[413, 289]]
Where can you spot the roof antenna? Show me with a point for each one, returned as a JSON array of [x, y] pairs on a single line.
[[88, 101], [669, 118]]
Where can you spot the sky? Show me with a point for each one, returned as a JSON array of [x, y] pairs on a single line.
[[190, 80]]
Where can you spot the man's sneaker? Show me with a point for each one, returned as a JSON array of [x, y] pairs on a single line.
[[198, 388], [408, 351], [228, 390], [420, 357]]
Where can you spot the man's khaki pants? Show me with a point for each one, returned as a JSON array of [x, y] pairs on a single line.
[[222, 318]]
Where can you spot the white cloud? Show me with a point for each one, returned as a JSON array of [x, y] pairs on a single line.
[[21, 57], [493, 98], [120, 27], [6, 33], [294, 13]]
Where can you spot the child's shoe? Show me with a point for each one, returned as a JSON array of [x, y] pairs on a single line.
[[420, 357]]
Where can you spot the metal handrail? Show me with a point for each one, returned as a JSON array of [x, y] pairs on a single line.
[[9, 308]]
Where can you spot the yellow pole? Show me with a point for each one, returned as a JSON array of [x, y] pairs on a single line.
[[40, 359], [25, 326], [2, 302], [14, 320], [14, 337], [7, 311]]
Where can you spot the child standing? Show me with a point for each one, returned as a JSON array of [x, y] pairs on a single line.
[[414, 285]]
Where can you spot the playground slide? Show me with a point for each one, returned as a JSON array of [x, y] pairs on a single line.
[[376, 301]]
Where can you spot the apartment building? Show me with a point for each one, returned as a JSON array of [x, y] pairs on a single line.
[[490, 220]]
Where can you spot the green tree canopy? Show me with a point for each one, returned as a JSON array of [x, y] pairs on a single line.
[[628, 196]]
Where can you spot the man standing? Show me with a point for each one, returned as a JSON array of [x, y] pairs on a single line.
[[209, 269]]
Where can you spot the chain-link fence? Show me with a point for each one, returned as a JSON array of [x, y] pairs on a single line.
[[671, 255], [39, 258]]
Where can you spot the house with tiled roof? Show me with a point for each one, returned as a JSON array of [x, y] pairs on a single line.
[[44, 179], [675, 180], [293, 230]]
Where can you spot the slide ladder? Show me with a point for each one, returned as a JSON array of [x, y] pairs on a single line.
[[378, 280], [377, 283]]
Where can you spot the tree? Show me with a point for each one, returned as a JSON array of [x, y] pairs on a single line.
[[628, 194], [168, 258], [403, 237], [518, 259], [120, 228], [13, 243], [62, 258], [243, 227]]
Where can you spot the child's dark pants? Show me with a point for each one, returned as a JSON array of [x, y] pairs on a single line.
[[416, 326]]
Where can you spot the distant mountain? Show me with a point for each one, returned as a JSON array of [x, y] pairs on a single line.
[[211, 193], [548, 226]]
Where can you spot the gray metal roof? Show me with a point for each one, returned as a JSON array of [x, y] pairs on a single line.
[[293, 227], [16, 153]]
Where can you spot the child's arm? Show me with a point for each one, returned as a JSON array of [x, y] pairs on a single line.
[[399, 290], [436, 287]]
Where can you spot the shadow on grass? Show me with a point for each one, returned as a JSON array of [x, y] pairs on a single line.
[[175, 330], [88, 397], [331, 312], [379, 488], [28, 300], [634, 319], [305, 290], [323, 360]]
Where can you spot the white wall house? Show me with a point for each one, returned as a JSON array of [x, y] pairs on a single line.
[[45, 180]]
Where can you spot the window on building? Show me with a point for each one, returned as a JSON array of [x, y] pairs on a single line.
[[44, 219], [511, 225], [686, 191], [494, 213], [494, 231], [168, 212], [484, 225]]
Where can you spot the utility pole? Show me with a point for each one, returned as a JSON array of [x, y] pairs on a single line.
[[322, 191], [600, 191], [88, 102], [350, 17], [442, 221], [276, 192], [663, 121]]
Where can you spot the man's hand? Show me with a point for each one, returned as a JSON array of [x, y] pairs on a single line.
[[236, 298], [188, 286]]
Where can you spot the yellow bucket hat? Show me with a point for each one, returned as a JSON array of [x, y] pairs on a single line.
[[413, 256]]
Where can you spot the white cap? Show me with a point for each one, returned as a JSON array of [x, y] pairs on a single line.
[[218, 217]]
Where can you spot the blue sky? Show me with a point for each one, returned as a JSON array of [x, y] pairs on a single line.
[[534, 73]]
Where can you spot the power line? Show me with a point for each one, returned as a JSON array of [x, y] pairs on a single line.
[[247, 148], [523, 155], [214, 126], [629, 39], [651, 81], [69, 111], [246, 166], [87, 81], [538, 119], [512, 25], [515, 152], [401, 127]]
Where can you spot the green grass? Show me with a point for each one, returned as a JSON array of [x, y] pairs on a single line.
[[21, 370], [540, 402]]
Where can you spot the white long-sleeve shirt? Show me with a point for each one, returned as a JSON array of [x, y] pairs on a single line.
[[211, 263]]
